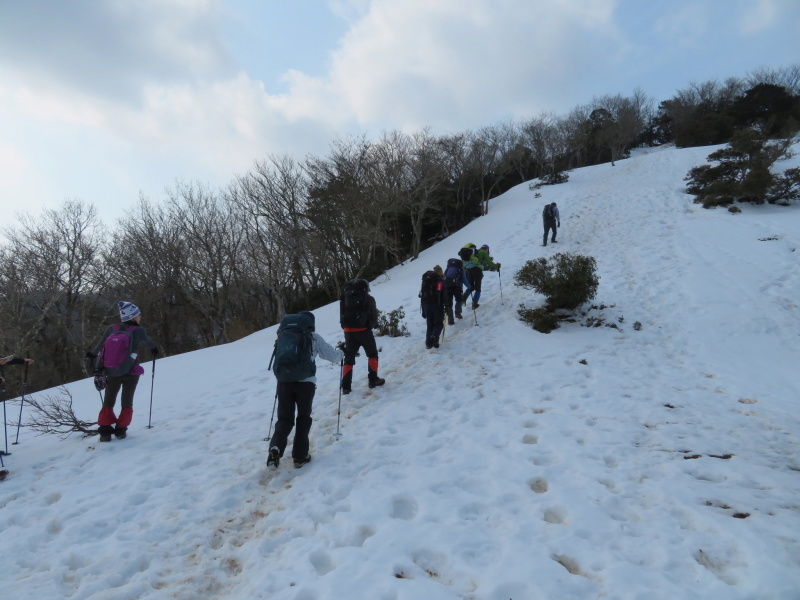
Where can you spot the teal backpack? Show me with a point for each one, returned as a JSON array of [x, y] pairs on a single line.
[[292, 359]]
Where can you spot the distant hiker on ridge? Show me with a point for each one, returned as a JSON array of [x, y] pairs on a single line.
[[117, 355], [550, 218], [358, 316], [297, 384]]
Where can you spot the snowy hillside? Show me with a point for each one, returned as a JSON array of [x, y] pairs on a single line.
[[655, 464]]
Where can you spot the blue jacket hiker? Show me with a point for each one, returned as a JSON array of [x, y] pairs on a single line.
[[476, 261], [117, 354], [298, 396], [454, 281]]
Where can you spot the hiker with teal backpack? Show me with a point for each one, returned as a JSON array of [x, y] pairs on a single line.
[[118, 368], [293, 362], [476, 261]]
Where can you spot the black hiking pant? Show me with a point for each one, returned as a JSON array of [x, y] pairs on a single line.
[[451, 293], [113, 384], [434, 317], [353, 341], [294, 395], [548, 225]]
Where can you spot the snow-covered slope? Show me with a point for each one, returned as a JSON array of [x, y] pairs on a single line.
[[659, 463]]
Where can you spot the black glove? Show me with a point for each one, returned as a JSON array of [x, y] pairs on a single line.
[[154, 352], [91, 355], [340, 346], [498, 266]]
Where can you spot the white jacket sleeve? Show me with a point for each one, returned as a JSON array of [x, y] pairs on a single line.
[[324, 350]]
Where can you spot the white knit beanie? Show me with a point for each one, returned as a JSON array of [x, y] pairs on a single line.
[[127, 310]]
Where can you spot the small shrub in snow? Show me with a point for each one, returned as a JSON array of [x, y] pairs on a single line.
[[540, 318], [391, 323], [566, 280]]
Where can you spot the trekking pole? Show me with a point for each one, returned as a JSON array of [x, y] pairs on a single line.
[[337, 435], [501, 285], [91, 370], [444, 325], [21, 402], [152, 383], [5, 426], [269, 433]]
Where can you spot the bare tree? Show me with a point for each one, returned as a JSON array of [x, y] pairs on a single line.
[[54, 284]]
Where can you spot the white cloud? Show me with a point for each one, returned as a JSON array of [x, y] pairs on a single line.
[[760, 15], [417, 63]]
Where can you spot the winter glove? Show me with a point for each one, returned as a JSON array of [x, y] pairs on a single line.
[[154, 352], [340, 346], [498, 266], [91, 355]]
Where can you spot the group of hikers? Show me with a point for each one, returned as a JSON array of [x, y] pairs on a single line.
[[443, 294]]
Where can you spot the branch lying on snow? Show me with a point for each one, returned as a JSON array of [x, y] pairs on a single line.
[[54, 414]]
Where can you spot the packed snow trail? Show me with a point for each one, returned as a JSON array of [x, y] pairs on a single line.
[[603, 462]]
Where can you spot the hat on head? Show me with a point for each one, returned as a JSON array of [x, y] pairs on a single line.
[[310, 315], [127, 310], [438, 270], [485, 247]]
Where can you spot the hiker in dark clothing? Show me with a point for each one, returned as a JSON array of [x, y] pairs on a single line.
[[298, 395], [358, 334], [433, 306], [130, 317], [551, 219], [454, 281]]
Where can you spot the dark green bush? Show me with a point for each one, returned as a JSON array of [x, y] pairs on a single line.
[[391, 323], [742, 173], [540, 318], [566, 280]]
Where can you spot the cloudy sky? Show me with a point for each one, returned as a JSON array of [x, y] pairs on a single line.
[[101, 100]]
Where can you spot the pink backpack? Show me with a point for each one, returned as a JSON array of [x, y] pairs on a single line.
[[118, 354]]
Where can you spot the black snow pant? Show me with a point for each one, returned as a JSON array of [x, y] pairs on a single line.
[[451, 293], [353, 341], [294, 395], [434, 317], [548, 225]]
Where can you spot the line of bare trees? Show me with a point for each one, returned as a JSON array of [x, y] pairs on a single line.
[[210, 266]]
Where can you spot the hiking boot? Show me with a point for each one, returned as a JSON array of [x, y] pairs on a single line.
[[105, 437], [121, 433], [428, 346], [299, 462], [459, 317], [273, 458], [453, 322], [435, 344], [377, 382], [345, 391], [553, 242]]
